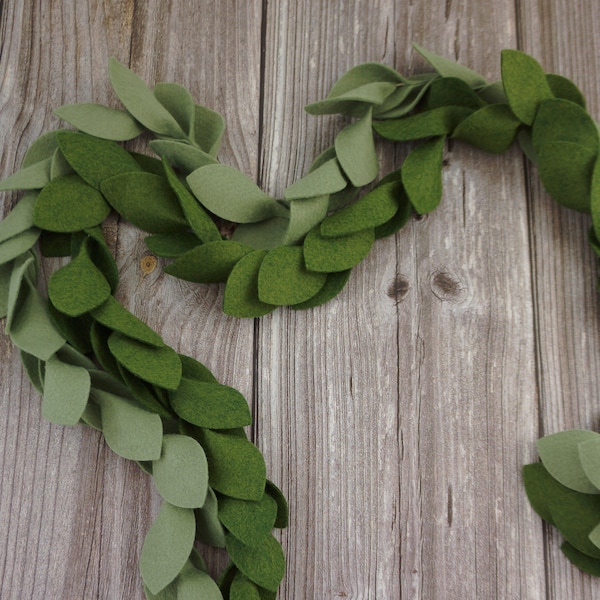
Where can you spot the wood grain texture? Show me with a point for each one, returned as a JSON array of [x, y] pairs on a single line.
[[397, 417]]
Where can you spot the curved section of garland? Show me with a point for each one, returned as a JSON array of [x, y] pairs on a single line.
[[97, 364]]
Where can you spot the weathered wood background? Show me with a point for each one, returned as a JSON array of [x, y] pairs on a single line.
[[397, 417]]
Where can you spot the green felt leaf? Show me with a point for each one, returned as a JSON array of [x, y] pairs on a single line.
[[356, 153], [595, 197], [564, 88], [399, 220], [66, 392], [19, 219], [566, 171], [71, 356], [210, 405], [167, 546], [401, 102], [209, 263], [178, 101], [148, 163], [264, 235], [76, 330], [236, 467], [263, 563], [200, 222], [99, 337], [93, 159], [130, 431], [282, 517], [353, 101], [33, 367], [115, 316], [525, 84], [364, 74], [448, 68], [594, 537], [100, 121], [422, 175], [69, 204], [304, 215], [208, 527], [589, 456], [209, 127], [18, 244], [231, 195], [436, 122], [560, 454], [171, 245], [183, 156], [493, 93], [144, 393], [526, 144], [451, 91], [325, 179], [284, 279], [5, 272], [181, 472], [373, 209], [160, 366], [60, 166], [580, 560], [102, 257], [34, 177], [146, 200], [241, 292], [43, 148], [192, 369], [197, 584], [492, 128], [24, 270], [55, 244], [243, 589], [328, 255], [248, 521], [334, 284]]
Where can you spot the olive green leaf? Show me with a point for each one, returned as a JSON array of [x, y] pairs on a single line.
[[564, 88], [304, 215], [327, 255], [208, 130], [178, 101], [183, 156], [248, 521], [327, 178], [263, 235], [448, 68], [19, 219]]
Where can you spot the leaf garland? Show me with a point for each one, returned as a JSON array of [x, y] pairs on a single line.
[[166, 410]]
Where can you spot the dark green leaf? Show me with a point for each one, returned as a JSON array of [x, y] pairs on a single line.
[[328, 255]]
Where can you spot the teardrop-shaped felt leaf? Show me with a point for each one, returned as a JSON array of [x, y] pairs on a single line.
[[448, 68], [304, 215], [76, 330], [580, 560], [167, 546], [178, 101], [406, 103], [231, 195], [146, 200], [236, 467], [130, 431], [184, 156], [241, 292], [5, 272], [115, 316], [78, 287], [560, 454], [525, 84], [282, 518], [492, 128], [566, 171], [364, 74], [18, 244], [33, 367], [160, 366], [192, 369], [334, 284], [192, 585], [99, 338], [589, 456], [43, 148], [353, 101], [594, 536], [171, 245], [148, 163], [93, 159], [210, 405], [22, 276], [264, 563], [564, 88], [208, 129], [284, 279], [355, 151], [144, 393], [100, 121], [451, 91], [243, 589], [34, 177], [263, 235], [66, 392], [328, 255], [208, 527], [248, 521], [181, 472], [19, 219], [325, 179], [208, 263], [69, 204], [60, 166], [102, 257]]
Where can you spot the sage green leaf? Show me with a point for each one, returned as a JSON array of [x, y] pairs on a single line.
[[196, 584], [241, 292], [100, 121], [525, 84], [492, 128], [183, 156], [141, 102], [248, 521], [231, 195], [130, 430], [284, 279], [541, 487], [18, 244], [167, 546], [115, 316], [353, 101], [406, 102], [146, 200], [181, 472], [243, 589], [564, 88], [594, 537], [66, 392], [19, 219], [448, 68], [33, 177], [328, 255], [160, 366], [93, 159], [236, 466], [144, 393], [71, 356], [263, 563], [563, 121], [171, 245], [263, 235], [24, 270], [372, 210], [33, 367], [566, 171], [282, 518], [304, 215], [580, 560], [589, 456], [364, 74], [76, 330], [208, 527], [451, 91], [431, 123], [68, 204], [192, 369], [178, 101], [5, 272], [42, 149], [200, 222], [208, 130], [210, 405], [403, 94], [78, 287], [60, 166], [209, 263], [560, 454], [325, 179], [334, 284], [355, 151]]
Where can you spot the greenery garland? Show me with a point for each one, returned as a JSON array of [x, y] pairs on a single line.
[[97, 364]]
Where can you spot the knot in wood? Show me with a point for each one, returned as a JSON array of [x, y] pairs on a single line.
[[148, 264], [446, 287], [398, 288]]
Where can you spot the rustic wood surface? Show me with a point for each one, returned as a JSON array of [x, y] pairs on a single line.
[[397, 417]]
